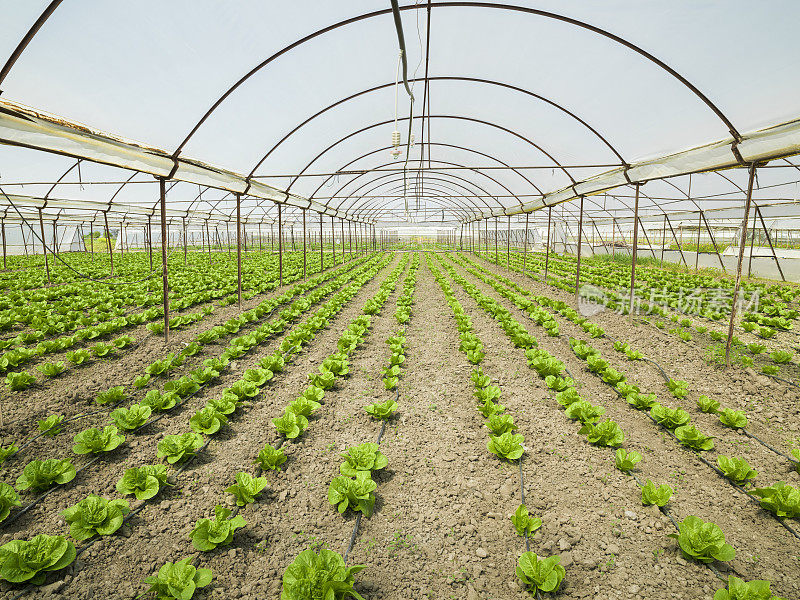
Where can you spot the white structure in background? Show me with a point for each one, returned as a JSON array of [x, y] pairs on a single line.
[[26, 237]]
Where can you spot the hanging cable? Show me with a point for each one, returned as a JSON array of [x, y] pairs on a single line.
[[398, 25]]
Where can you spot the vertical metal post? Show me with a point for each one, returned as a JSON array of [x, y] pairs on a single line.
[[162, 184], [259, 237], [547, 247], [150, 239], [580, 239], [680, 244], [108, 242], [613, 233], [304, 245], [769, 240], [496, 253], [208, 239], [91, 239], [280, 246], [271, 238], [697, 253], [333, 240], [343, 241], [742, 242], [508, 246], [239, 247], [55, 239], [663, 240], [752, 241], [44, 246], [486, 236], [525, 244], [321, 245], [635, 246], [3, 229], [185, 243]]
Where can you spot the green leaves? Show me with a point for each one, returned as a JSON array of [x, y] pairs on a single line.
[[131, 418], [364, 457], [523, 522], [702, 541], [78, 357], [52, 369], [290, 425], [656, 495], [17, 382], [641, 401], [93, 440], [158, 401], [584, 411], [324, 576], [500, 424], [781, 499], [207, 420], [144, 482], [540, 574], [735, 419], [736, 469], [39, 475], [8, 498], [178, 581], [607, 433], [781, 357], [669, 417], [691, 437], [22, 561], [176, 448], [383, 410], [111, 395], [51, 425], [507, 445], [626, 461], [303, 406], [95, 515], [739, 589], [270, 458], [208, 534], [707, 405], [679, 388], [246, 488], [355, 493]]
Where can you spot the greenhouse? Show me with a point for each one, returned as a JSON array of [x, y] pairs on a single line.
[[404, 299]]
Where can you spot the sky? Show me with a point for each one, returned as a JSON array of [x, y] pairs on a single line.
[[149, 70]]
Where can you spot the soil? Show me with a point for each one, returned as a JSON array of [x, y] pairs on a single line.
[[441, 527]]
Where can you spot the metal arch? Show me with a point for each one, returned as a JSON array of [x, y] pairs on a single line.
[[441, 78], [441, 192], [486, 5], [34, 29], [339, 206], [456, 117], [489, 156]]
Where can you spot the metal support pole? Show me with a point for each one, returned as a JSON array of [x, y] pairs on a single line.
[[55, 238], [635, 248], [44, 246], [663, 240], [647, 239], [280, 246], [350, 236], [580, 240], [333, 240], [108, 242], [239, 247], [259, 238], [680, 245], [304, 244], [149, 239], [742, 242], [185, 243], [613, 240], [91, 239], [3, 229], [343, 242], [321, 246], [525, 244], [163, 193], [697, 253], [496, 253], [769, 241], [713, 241], [547, 248], [486, 236], [508, 246], [752, 241]]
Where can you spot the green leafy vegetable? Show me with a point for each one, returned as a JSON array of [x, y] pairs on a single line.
[[781, 499], [19, 381], [210, 533], [364, 457], [22, 561], [178, 581], [131, 418], [707, 405], [270, 458], [8, 498], [507, 445], [95, 515], [51, 425], [176, 448], [207, 420], [324, 576], [607, 433], [290, 425], [111, 395], [735, 419], [702, 541], [93, 440], [626, 461], [736, 469], [144, 482], [669, 417], [355, 493], [523, 522], [739, 589], [246, 488], [689, 436], [383, 410], [656, 495], [540, 574], [41, 474]]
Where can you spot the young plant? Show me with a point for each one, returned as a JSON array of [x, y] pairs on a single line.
[[607, 433], [584, 411], [94, 441], [626, 461], [246, 488], [781, 357], [691, 437], [641, 401], [500, 424], [144, 482], [178, 581], [523, 522], [656, 495], [289, 424], [16, 382], [364, 457], [38, 475], [95, 515], [51, 426], [131, 418], [111, 395], [322, 575], [52, 369], [8, 498], [176, 448], [507, 445], [210, 533], [707, 405], [736, 469], [303, 406], [739, 589], [78, 357], [207, 420], [669, 417], [540, 574], [383, 410], [702, 541], [781, 499], [355, 493], [735, 419], [29, 561], [271, 458], [157, 401]]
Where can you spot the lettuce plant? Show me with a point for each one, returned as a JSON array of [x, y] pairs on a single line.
[[607, 433], [158, 401], [270, 457], [322, 575], [93, 440], [691, 437], [507, 445], [383, 410], [29, 561], [707, 405], [17, 382], [207, 420], [500, 424], [246, 488], [355, 493], [336, 364], [612, 376], [303, 406], [39, 475], [736, 469], [203, 375], [735, 419], [770, 369], [144, 482], [781, 499], [95, 515], [78, 357], [702, 541], [626, 461], [624, 388], [656, 495], [183, 387], [8, 498], [178, 581], [584, 411], [558, 384], [131, 418], [111, 395], [540, 574], [479, 379], [176, 448], [52, 369], [669, 417], [523, 522], [6, 451], [568, 397], [738, 589], [364, 457], [225, 404], [210, 533], [289, 424], [51, 426], [641, 401], [323, 379], [258, 376], [487, 394], [679, 388], [243, 389], [781, 357]]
